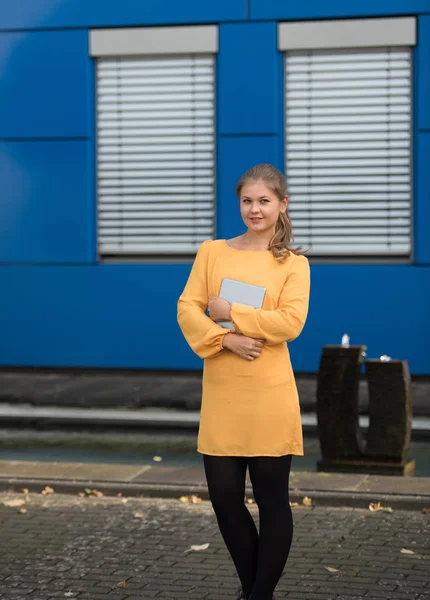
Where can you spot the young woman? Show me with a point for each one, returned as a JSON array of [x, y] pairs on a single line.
[[250, 414]]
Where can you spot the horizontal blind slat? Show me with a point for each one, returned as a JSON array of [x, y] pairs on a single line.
[[156, 143], [348, 150]]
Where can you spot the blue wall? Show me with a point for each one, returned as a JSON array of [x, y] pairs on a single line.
[[58, 306]]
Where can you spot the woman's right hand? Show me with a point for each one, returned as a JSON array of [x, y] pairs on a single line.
[[246, 347]]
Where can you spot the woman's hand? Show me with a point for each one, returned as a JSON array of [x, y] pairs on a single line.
[[242, 345], [219, 309]]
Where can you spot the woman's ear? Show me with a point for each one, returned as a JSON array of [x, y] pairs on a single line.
[[284, 204]]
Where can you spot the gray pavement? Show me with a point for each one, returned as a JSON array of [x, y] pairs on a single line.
[[174, 389], [333, 489], [65, 546]]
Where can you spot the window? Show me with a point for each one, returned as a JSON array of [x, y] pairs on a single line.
[[348, 140], [155, 141]]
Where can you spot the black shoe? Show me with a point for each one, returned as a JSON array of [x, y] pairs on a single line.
[[241, 594]]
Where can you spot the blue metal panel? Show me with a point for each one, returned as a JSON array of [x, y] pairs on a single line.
[[384, 307], [29, 14], [422, 200], [44, 204], [237, 155], [333, 9], [43, 84], [423, 73], [248, 82], [98, 316]]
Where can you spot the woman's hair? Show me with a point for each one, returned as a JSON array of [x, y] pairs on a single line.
[[279, 245]]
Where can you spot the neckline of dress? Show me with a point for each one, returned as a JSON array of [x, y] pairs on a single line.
[[242, 250]]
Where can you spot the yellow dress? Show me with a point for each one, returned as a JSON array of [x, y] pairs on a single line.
[[249, 408]]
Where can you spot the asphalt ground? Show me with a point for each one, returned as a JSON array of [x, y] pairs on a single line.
[[137, 389], [96, 547]]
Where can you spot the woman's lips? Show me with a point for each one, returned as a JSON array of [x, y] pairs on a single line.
[[255, 219]]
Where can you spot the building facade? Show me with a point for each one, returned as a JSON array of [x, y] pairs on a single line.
[[124, 127]]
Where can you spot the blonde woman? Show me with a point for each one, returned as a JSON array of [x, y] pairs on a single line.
[[250, 413]]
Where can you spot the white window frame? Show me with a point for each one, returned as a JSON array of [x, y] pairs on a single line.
[[157, 43], [350, 35]]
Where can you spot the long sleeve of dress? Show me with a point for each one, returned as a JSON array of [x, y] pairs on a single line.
[[202, 334], [286, 322]]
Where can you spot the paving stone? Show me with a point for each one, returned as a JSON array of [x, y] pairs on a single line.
[[96, 548]]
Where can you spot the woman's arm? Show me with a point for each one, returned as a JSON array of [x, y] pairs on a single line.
[[286, 322], [202, 334]]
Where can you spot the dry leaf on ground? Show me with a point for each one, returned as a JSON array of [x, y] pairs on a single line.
[[294, 504], [196, 548], [157, 458], [331, 570], [47, 490], [307, 501], [138, 515], [190, 499], [95, 493], [376, 507], [15, 502], [406, 551]]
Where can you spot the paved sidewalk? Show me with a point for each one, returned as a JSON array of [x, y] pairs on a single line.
[[94, 548], [333, 489]]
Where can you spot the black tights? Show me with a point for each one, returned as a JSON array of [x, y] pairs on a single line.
[[259, 558]]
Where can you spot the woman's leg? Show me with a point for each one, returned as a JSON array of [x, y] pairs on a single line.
[[226, 484], [270, 479]]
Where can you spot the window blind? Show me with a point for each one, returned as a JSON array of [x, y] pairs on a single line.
[[348, 150], [155, 146]]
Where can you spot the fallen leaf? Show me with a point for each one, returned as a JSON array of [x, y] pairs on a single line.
[[22, 510], [24, 490], [190, 499], [331, 570], [378, 508], [157, 458], [294, 504], [139, 515], [47, 491], [15, 502], [426, 511], [250, 501], [81, 494], [406, 551], [119, 494], [197, 548], [307, 501], [121, 584], [69, 594]]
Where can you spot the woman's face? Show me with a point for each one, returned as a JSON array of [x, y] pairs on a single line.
[[260, 207]]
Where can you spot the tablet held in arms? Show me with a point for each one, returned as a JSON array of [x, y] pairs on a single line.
[[242, 293]]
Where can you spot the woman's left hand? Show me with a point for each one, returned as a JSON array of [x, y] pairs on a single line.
[[219, 309]]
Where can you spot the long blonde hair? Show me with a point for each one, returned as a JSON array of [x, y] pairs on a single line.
[[279, 245]]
